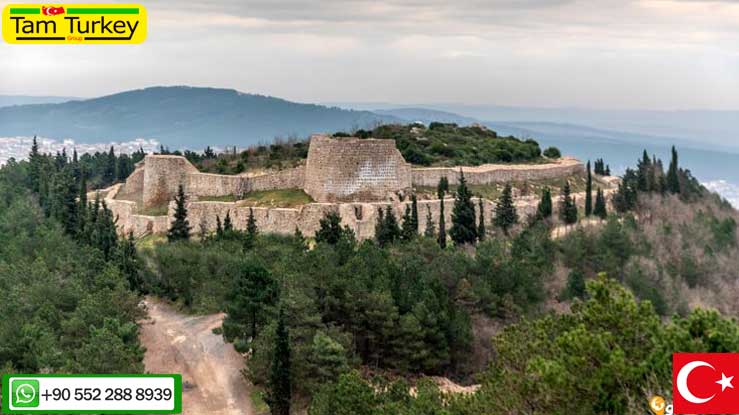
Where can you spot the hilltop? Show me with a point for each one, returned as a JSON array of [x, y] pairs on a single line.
[[182, 117]]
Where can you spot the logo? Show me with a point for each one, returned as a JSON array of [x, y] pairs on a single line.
[[704, 383], [51, 11], [74, 23], [25, 394]]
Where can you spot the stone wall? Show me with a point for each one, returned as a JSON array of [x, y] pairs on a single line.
[[162, 176], [498, 173], [353, 169], [284, 179]]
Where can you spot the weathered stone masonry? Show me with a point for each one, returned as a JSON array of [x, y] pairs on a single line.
[[352, 176]]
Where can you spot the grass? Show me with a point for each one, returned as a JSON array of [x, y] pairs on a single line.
[[530, 187], [158, 210], [148, 241], [282, 198], [257, 399]]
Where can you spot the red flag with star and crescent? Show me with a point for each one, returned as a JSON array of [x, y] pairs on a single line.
[[703, 383]]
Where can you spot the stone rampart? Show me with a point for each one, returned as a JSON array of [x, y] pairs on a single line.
[[353, 169], [163, 174], [498, 173]]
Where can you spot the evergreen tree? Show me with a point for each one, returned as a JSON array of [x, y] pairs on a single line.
[[104, 236], [607, 172], [505, 211], [280, 382], [589, 193], [463, 229], [568, 208], [441, 190], [219, 228], [128, 262], [180, 227], [600, 208], [228, 227], [544, 209], [410, 220], [82, 206], [673, 179], [481, 222], [644, 170], [109, 175], [35, 160], [430, 230], [249, 303], [330, 231], [387, 230], [64, 203], [251, 231]]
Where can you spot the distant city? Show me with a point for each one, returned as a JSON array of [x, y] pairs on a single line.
[[18, 147]]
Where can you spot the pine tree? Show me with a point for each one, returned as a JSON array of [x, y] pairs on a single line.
[[109, 175], [600, 208], [387, 229], [589, 193], [280, 383], [180, 227], [250, 302], [481, 222], [35, 160], [82, 206], [330, 230], [228, 227], [544, 209], [410, 220], [505, 211], [430, 230], [128, 262], [644, 169], [673, 179], [251, 231], [441, 190], [463, 230], [568, 208], [104, 235]]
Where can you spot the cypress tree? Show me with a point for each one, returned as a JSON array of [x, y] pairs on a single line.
[[568, 209], [481, 222], [673, 180], [414, 213], [219, 228], [387, 225], [410, 221], [505, 211], [589, 193], [430, 230], [109, 175], [128, 262], [82, 205], [544, 209], [441, 190], [463, 229], [228, 227], [600, 208], [251, 230], [180, 227], [280, 383]]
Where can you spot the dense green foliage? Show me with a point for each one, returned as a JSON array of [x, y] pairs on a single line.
[[65, 290], [464, 228], [452, 145], [505, 211]]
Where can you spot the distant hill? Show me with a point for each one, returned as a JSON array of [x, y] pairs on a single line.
[[8, 100], [181, 117]]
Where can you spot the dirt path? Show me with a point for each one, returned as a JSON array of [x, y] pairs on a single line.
[[210, 368]]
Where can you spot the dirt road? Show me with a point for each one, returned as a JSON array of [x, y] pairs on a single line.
[[210, 368]]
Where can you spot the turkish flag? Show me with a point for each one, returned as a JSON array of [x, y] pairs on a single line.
[[703, 383]]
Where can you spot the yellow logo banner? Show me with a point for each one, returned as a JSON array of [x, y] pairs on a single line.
[[74, 23]]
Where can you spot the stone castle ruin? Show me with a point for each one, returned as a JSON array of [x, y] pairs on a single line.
[[350, 175]]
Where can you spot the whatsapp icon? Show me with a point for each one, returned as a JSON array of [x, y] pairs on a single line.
[[25, 393]]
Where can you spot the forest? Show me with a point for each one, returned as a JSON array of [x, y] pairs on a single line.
[[584, 323]]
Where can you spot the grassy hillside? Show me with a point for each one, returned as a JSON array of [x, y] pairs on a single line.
[[451, 145]]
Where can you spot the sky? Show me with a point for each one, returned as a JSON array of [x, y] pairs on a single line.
[[600, 54]]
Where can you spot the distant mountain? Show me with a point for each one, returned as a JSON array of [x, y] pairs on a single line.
[[181, 117], [8, 100]]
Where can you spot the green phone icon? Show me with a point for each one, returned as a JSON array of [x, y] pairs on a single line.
[[25, 393]]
